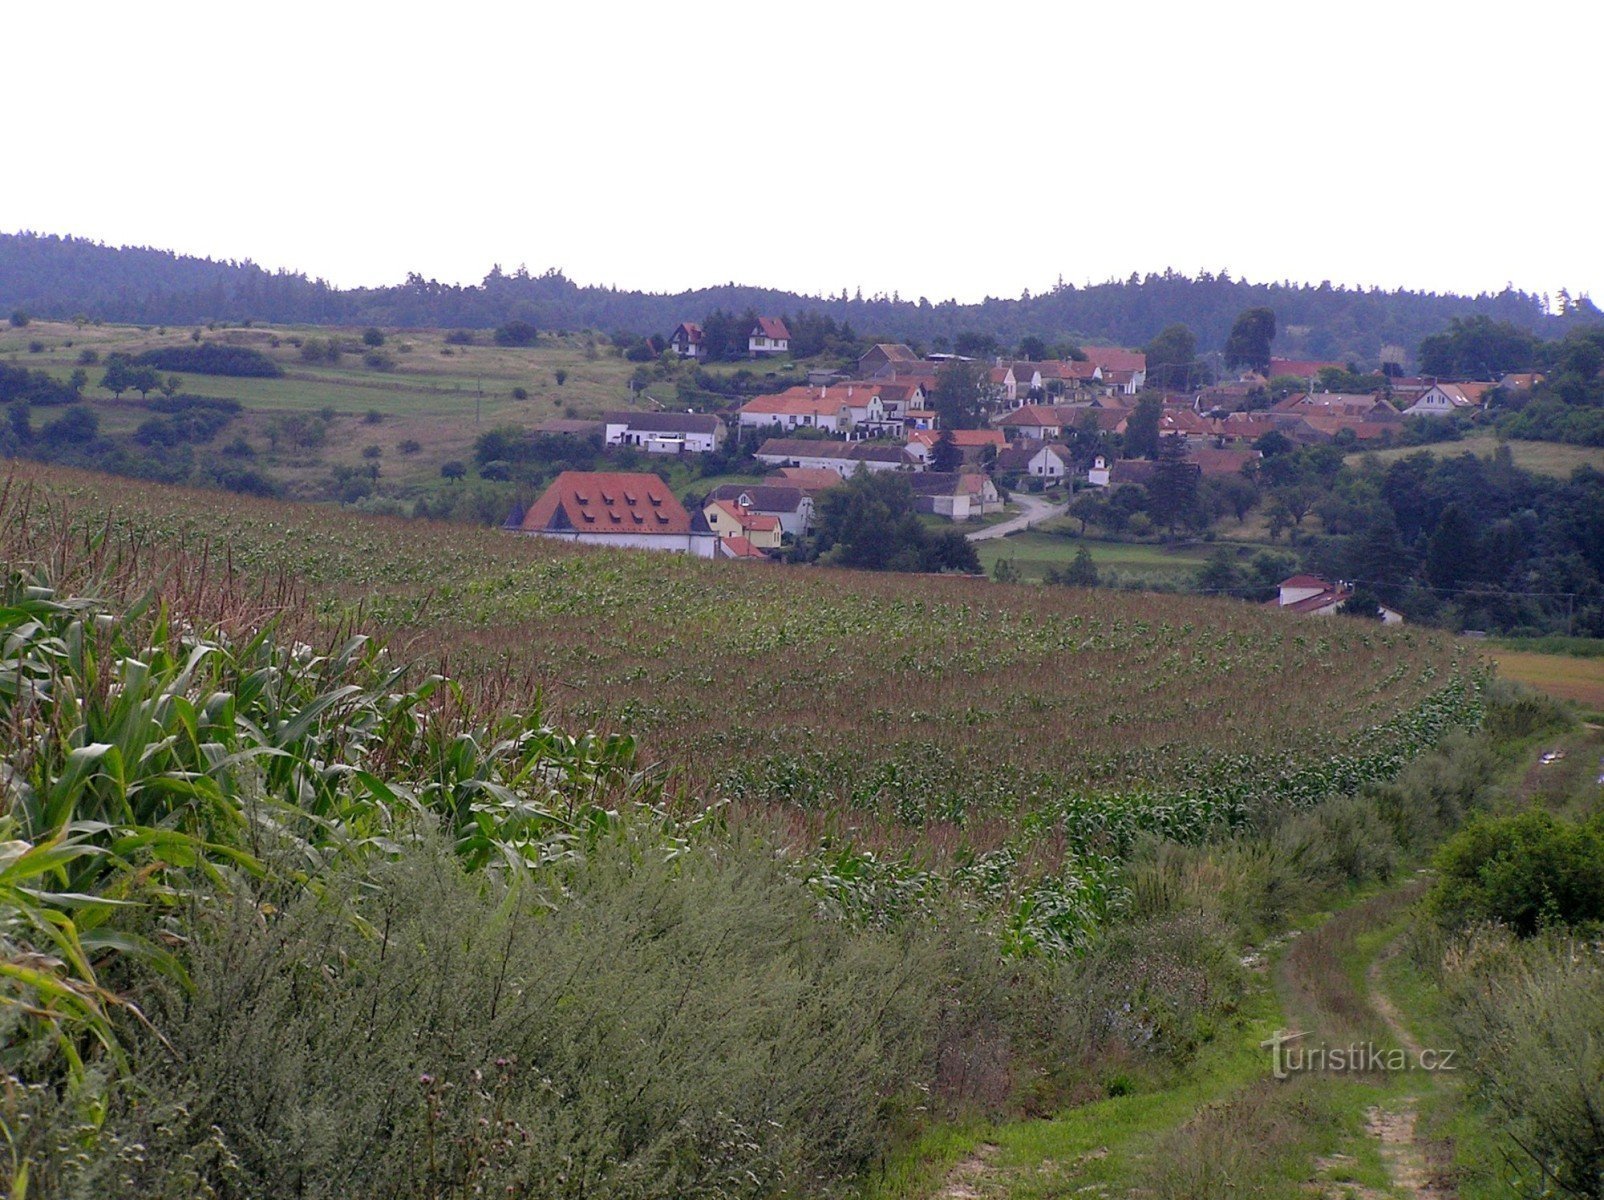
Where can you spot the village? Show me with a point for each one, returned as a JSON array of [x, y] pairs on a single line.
[[1049, 428]]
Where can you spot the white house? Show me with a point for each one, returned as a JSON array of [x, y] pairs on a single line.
[[687, 340], [958, 496], [1443, 398], [768, 336], [618, 509], [794, 408], [844, 458], [1039, 460], [1314, 596], [1097, 474], [665, 432]]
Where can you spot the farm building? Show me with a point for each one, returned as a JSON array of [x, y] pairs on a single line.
[[616, 508]]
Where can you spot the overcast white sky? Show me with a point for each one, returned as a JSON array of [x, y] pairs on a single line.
[[929, 149]]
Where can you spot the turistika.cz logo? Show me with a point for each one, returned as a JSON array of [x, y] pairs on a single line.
[[1288, 1059]]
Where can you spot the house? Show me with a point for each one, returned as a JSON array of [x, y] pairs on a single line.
[[1037, 421], [900, 399], [1521, 381], [790, 505], [1362, 428], [794, 408], [686, 340], [884, 355], [844, 458], [767, 336], [1444, 398], [1363, 405], [731, 519], [620, 509], [1216, 462], [1183, 422], [810, 481], [1129, 365], [971, 443], [1098, 474], [955, 495], [665, 432], [1312, 595], [1003, 385], [1039, 460]]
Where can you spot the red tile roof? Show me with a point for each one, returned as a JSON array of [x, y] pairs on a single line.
[[746, 518], [808, 479], [1114, 358], [960, 437], [1302, 367], [770, 327], [607, 502], [1035, 416]]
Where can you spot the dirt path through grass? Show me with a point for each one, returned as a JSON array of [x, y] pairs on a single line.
[[1396, 1126]]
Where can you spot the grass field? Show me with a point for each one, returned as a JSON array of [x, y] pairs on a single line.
[[439, 395], [1036, 551], [1568, 677], [1545, 458], [925, 700]]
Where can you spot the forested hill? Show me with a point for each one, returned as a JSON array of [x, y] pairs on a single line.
[[53, 276]]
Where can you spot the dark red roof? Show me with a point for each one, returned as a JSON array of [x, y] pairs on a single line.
[[608, 502], [771, 327]]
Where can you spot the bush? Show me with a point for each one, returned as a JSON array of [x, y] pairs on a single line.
[[378, 360], [372, 337], [517, 333], [409, 446], [520, 393], [460, 337], [213, 358], [1531, 871], [19, 319]]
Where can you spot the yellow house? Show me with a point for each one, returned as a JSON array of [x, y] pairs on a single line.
[[730, 520]]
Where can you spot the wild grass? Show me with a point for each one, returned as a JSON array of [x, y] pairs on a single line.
[[1545, 458]]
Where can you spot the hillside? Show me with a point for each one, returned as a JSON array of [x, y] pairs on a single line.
[[60, 277]]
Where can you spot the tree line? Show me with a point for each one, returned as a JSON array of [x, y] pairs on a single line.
[[47, 275]]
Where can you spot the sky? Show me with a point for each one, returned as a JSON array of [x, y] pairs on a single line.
[[935, 149]]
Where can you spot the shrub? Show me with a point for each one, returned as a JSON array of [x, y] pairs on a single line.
[[19, 319], [378, 360], [460, 337], [517, 333], [409, 446], [36, 347], [1531, 871], [520, 393], [372, 336], [88, 358], [212, 358], [372, 417]]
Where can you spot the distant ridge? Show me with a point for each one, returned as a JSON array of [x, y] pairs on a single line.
[[55, 276]]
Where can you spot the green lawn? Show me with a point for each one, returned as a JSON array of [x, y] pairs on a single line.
[[1545, 458]]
